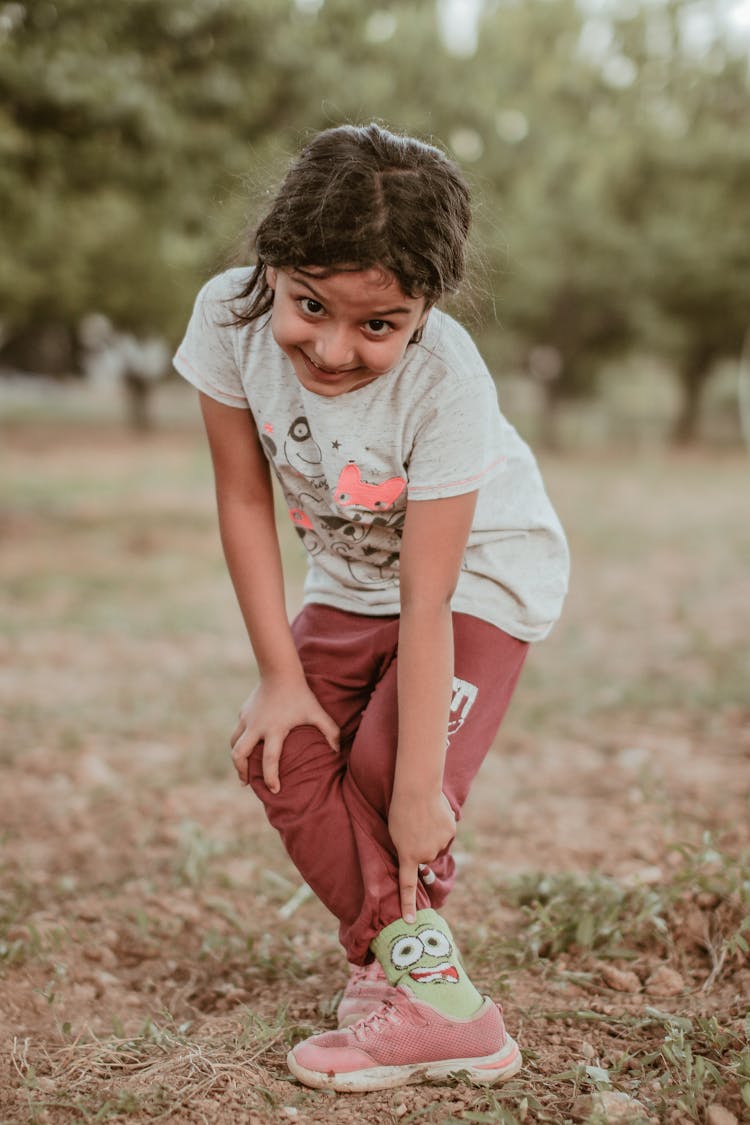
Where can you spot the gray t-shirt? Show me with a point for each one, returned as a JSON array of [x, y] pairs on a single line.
[[427, 429]]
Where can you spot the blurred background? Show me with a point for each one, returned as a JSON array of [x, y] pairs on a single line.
[[151, 927], [607, 142]]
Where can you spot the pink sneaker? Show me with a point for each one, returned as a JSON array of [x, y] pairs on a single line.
[[405, 1041], [366, 990]]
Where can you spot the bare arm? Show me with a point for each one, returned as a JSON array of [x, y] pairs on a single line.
[[248, 534], [421, 822]]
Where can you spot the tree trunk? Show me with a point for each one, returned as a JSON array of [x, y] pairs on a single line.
[[549, 421], [693, 378], [138, 397]]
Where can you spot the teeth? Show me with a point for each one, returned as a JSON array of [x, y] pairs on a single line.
[[444, 972]]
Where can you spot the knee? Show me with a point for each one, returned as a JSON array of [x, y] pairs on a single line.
[[306, 760]]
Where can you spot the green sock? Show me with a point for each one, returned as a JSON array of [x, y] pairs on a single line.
[[422, 955]]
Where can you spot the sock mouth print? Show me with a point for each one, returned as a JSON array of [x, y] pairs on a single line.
[[445, 972]]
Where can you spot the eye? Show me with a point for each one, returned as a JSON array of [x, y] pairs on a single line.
[[310, 306], [379, 327], [435, 942], [406, 951]]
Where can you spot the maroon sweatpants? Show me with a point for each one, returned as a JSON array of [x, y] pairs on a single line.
[[332, 809]]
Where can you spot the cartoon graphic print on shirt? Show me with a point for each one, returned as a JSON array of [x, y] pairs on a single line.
[[373, 565], [303, 525], [302, 450], [368, 543], [351, 489]]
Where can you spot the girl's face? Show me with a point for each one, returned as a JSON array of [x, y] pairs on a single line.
[[343, 330]]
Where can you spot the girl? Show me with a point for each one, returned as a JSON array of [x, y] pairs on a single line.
[[434, 558]]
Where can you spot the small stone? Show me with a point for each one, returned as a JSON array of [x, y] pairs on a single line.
[[400, 1110], [717, 1115], [612, 1104], [88, 913], [633, 758], [289, 1110], [665, 982], [695, 926], [588, 1051], [621, 980], [649, 876], [93, 772], [106, 980]]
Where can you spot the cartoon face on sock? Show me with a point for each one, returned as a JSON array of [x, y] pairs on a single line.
[[425, 956]]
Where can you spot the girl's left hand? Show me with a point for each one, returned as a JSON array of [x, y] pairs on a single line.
[[420, 829]]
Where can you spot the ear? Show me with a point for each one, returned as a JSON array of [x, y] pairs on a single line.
[[271, 276], [416, 335], [423, 317]]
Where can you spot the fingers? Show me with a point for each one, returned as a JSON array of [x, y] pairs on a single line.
[[244, 738], [241, 749], [271, 755], [328, 729], [407, 888]]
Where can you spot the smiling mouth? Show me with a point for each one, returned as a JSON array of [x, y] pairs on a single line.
[[445, 972], [323, 372]]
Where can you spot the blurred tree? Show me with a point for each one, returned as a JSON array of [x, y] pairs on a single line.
[[128, 132], [565, 258], [124, 129], [684, 195], [608, 153], [617, 149]]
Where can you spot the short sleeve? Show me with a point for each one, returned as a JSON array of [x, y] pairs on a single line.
[[207, 356], [457, 444]]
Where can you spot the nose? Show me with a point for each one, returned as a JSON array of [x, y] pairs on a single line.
[[334, 348]]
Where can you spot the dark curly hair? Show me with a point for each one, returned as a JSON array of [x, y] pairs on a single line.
[[358, 197]]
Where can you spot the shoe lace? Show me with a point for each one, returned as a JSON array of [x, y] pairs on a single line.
[[389, 1012], [358, 974]]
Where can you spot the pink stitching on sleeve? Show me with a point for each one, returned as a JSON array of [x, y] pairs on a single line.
[[203, 380], [457, 483]]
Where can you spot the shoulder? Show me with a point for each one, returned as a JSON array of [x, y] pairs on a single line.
[[447, 348], [451, 366], [223, 291]]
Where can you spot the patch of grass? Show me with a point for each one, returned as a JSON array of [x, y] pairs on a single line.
[[585, 912], [669, 1063], [698, 1059], [195, 850], [21, 940], [593, 913], [160, 1068], [506, 1105]]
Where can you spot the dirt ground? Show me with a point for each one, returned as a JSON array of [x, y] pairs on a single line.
[[157, 955]]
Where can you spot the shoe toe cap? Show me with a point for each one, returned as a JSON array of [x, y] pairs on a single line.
[[329, 1059]]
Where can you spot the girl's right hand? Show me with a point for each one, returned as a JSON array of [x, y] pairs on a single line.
[[269, 713]]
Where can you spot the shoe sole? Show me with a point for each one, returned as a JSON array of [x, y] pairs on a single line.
[[484, 1071]]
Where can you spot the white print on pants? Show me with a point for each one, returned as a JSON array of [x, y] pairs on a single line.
[[462, 701]]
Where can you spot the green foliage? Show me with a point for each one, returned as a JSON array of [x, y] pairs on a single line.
[[610, 158], [595, 913], [591, 912]]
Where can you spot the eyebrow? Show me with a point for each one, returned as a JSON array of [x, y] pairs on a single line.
[[301, 279]]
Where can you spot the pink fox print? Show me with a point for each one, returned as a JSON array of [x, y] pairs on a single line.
[[351, 489]]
